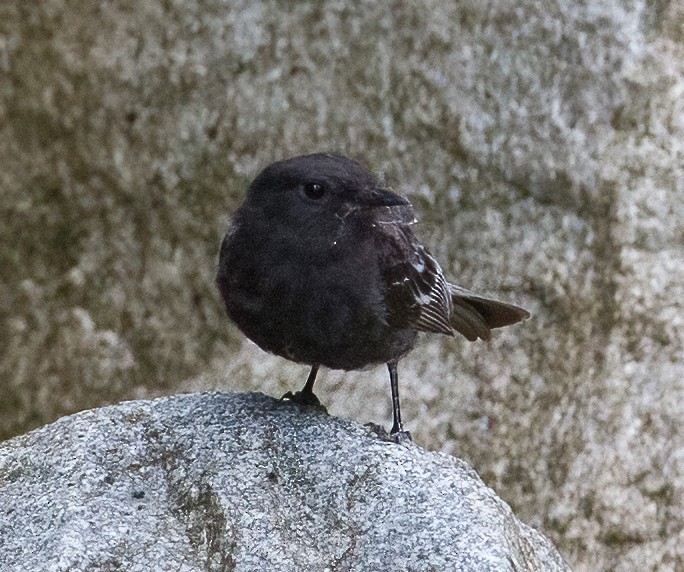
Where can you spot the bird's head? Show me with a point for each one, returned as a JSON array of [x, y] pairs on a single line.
[[323, 192]]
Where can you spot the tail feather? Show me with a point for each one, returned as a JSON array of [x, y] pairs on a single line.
[[475, 316]]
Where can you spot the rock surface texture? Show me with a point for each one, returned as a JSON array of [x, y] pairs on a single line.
[[540, 141], [244, 482]]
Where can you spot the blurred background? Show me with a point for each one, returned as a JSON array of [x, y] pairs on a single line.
[[541, 143]]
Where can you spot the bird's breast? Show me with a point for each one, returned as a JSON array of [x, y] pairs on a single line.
[[326, 306]]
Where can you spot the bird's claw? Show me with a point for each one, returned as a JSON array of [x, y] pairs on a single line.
[[400, 437], [303, 398]]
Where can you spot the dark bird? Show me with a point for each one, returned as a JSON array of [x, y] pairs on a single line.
[[320, 266]]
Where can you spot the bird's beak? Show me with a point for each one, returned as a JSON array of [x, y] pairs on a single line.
[[387, 207], [382, 198]]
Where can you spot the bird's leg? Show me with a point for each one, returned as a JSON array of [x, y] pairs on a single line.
[[307, 390], [397, 433], [306, 395]]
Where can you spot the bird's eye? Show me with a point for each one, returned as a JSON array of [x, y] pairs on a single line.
[[314, 190]]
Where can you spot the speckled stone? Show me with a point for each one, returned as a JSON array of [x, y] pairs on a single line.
[[218, 481]]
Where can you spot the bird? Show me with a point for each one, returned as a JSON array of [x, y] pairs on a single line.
[[320, 266]]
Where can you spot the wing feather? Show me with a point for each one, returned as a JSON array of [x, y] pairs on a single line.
[[418, 296]]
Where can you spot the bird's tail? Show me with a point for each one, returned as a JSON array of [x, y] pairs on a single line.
[[475, 316]]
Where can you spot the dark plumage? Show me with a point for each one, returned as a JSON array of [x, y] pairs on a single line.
[[320, 266]]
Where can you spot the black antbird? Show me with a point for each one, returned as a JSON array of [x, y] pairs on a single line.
[[320, 267]]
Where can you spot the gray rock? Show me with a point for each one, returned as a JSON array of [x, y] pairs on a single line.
[[542, 144], [244, 482]]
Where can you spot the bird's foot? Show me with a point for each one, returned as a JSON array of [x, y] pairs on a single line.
[[397, 433], [307, 398], [399, 437]]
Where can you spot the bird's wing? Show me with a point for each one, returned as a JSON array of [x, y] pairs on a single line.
[[418, 295]]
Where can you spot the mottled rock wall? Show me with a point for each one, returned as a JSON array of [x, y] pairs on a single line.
[[542, 144]]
